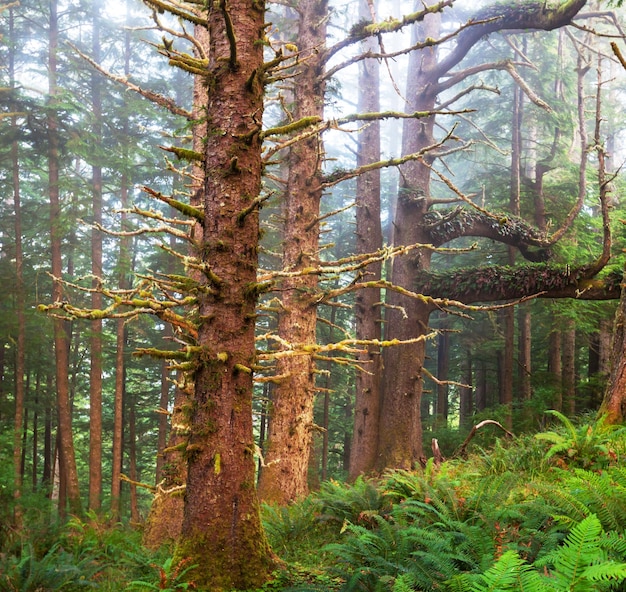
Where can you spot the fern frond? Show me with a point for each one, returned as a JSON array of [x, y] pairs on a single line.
[[502, 576], [580, 550], [608, 571]]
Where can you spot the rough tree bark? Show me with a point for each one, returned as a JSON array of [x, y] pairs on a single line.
[[369, 239], [221, 530], [284, 478]]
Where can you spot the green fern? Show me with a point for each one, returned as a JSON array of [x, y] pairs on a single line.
[[588, 446], [581, 563]]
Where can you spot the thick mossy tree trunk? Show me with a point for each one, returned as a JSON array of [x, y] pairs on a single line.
[[221, 530], [614, 404], [284, 478]]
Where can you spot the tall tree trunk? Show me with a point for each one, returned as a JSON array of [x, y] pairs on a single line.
[[61, 329], [35, 465], [164, 522], [164, 402], [124, 271], [368, 240], [20, 341], [525, 352], [284, 478], [48, 451], [221, 530], [400, 436], [95, 370]]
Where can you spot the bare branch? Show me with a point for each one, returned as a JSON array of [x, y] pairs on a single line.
[[156, 98]]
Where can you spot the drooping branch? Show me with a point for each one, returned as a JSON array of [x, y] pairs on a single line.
[[503, 228]]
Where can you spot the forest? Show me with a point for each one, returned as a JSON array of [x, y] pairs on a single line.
[[312, 295]]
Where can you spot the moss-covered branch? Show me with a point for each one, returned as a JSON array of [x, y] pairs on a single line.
[[497, 283], [289, 128], [509, 16], [443, 227], [184, 153], [182, 207], [176, 10], [364, 29]]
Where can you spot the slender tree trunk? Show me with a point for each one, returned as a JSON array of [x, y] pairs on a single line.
[[368, 240], [569, 368], [284, 478], [46, 474], [95, 370], [555, 365], [61, 329], [164, 522], [443, 367], [466, 403], [164, 402], [35, 465], [124, 271], [132, 461], [20, 345], [525, 352], [221, 529]]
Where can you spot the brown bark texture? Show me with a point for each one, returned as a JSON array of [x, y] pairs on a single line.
[[284, 478], [369, 239], [614, 403], [61, 328], [95, 370], [221, 530]]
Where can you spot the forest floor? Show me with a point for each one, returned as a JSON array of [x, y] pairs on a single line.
[[543, 512]]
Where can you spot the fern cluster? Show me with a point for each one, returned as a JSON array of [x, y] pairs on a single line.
[[557, 524]]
